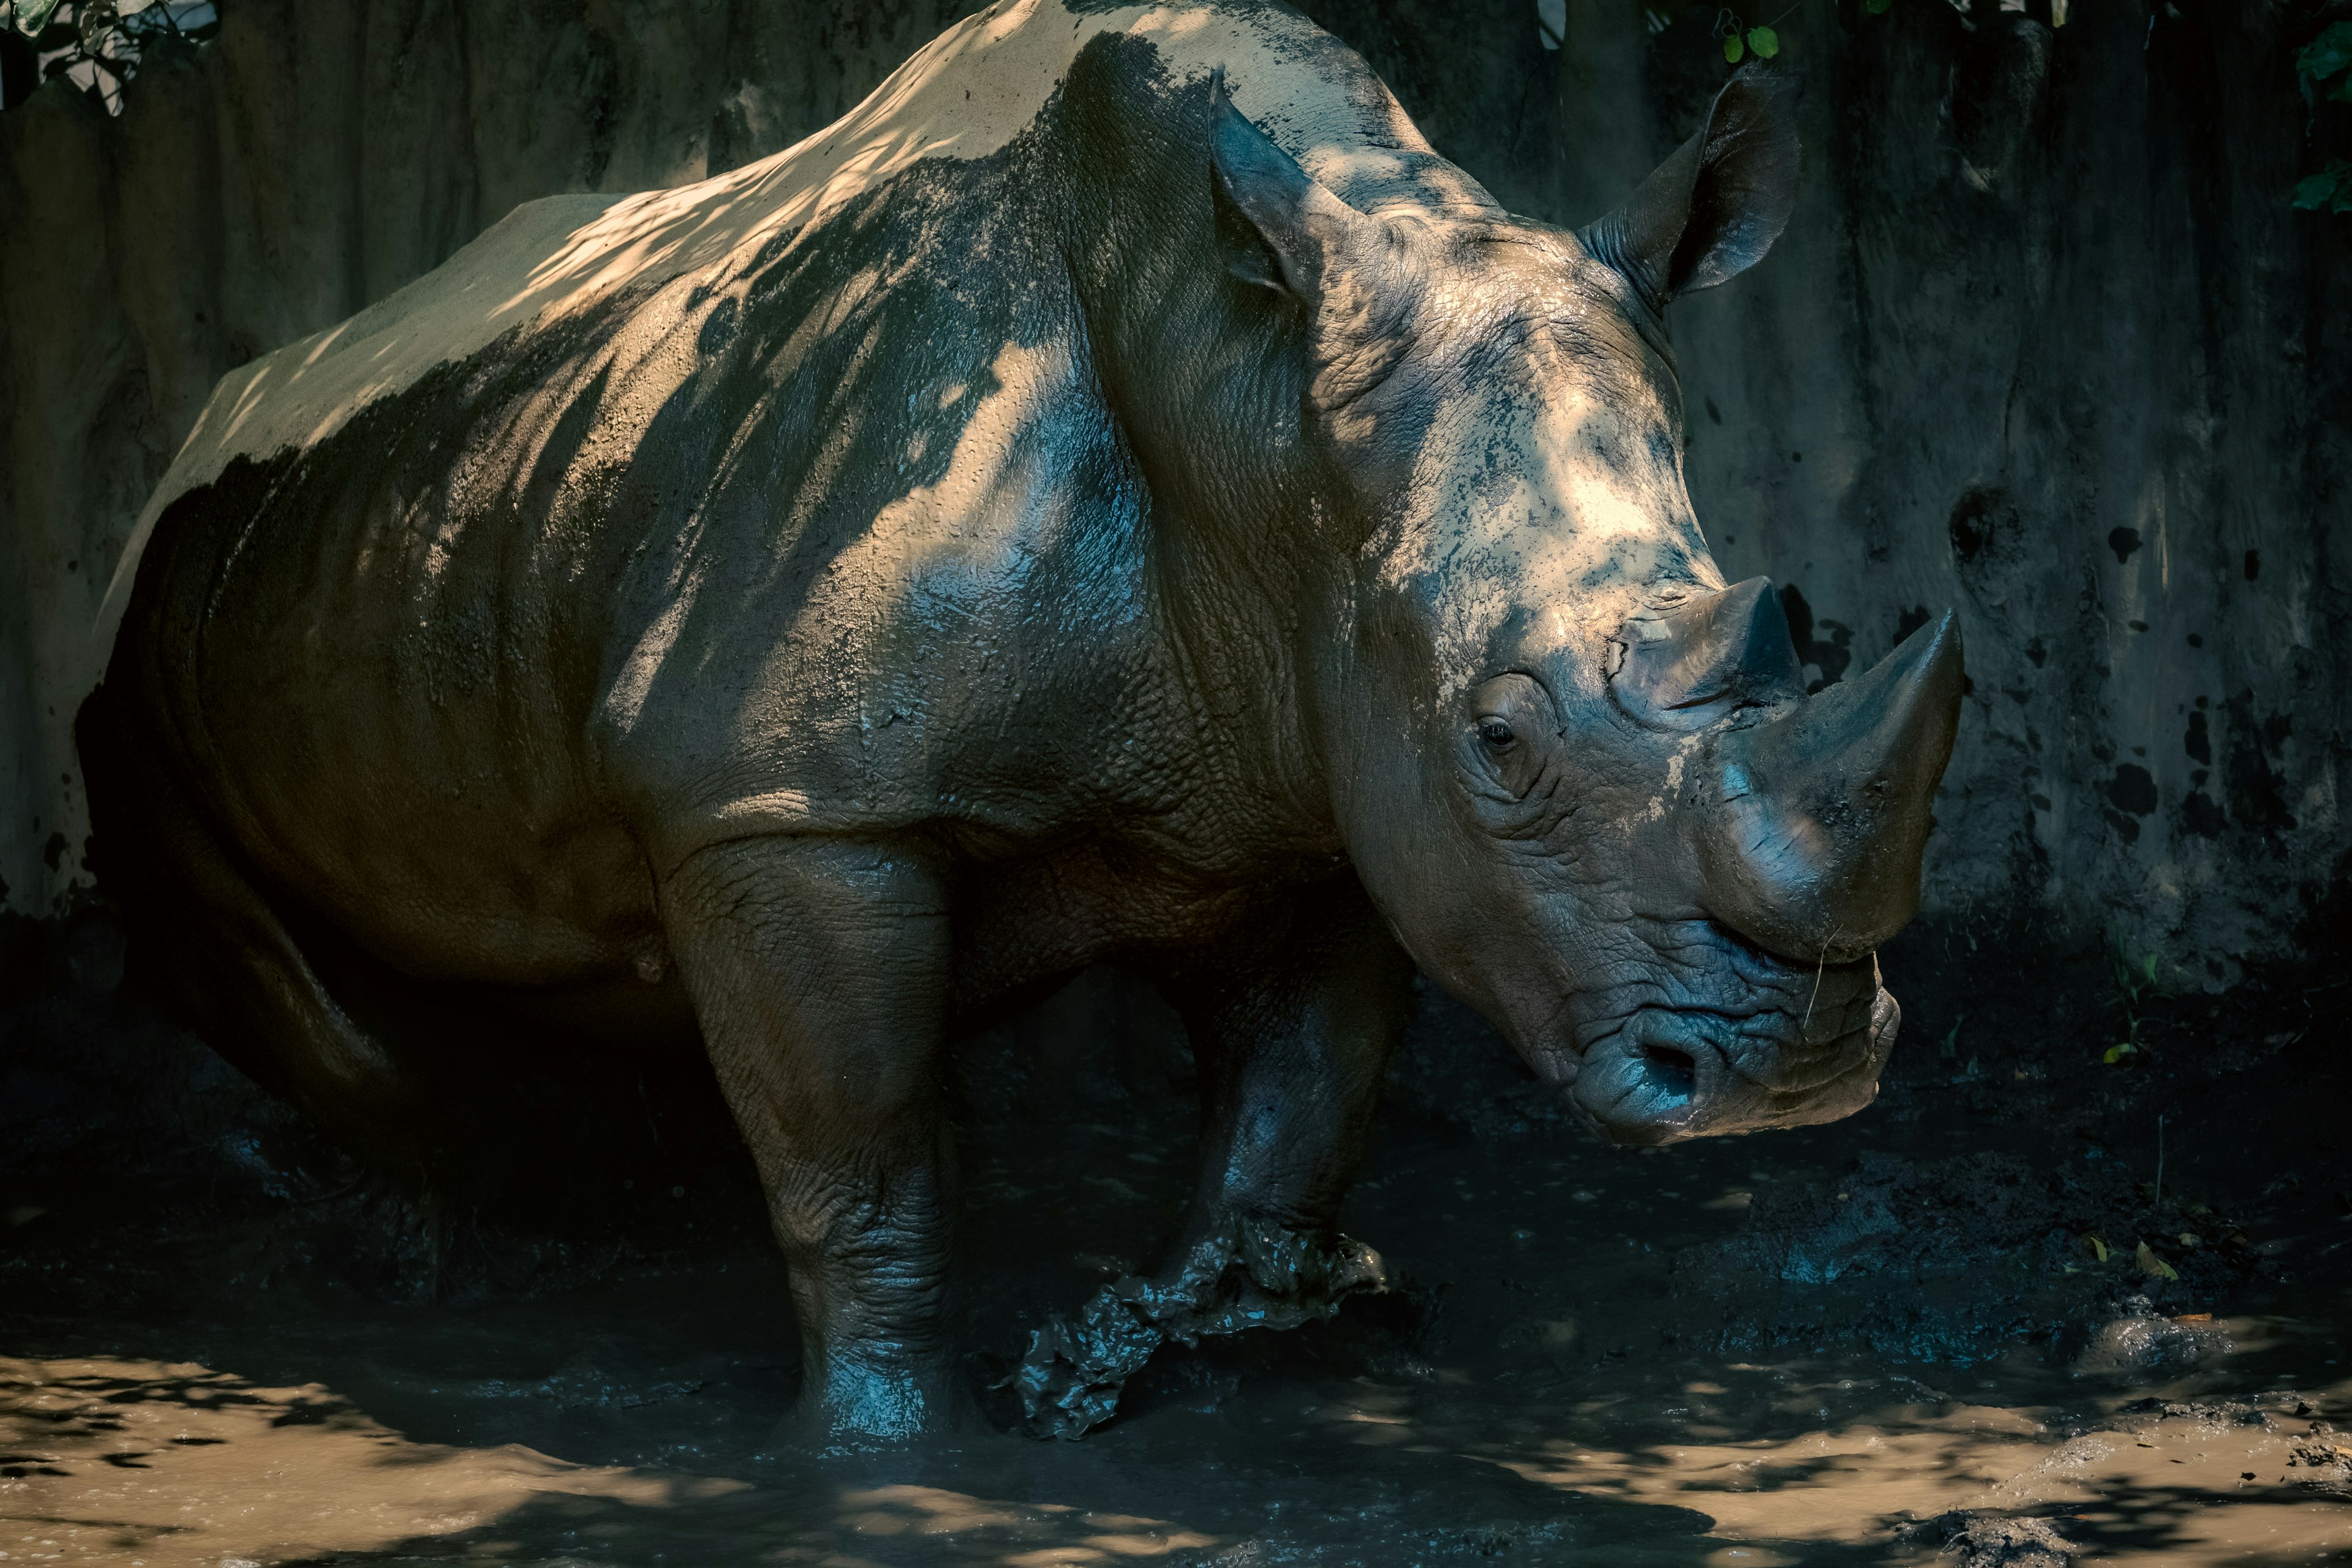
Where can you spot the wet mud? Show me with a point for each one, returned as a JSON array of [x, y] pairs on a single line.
[[1977, 1324]]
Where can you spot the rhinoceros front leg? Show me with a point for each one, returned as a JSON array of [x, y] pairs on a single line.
[[819, 976], [1292, 1022]]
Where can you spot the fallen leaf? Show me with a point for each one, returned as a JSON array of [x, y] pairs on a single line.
[[2149, 1263], [2098, 1248]]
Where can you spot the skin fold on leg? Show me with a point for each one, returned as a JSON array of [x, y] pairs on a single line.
[[1293, 1021], [819, 974]]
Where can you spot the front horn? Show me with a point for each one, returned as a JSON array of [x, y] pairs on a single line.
[[1810, 843]]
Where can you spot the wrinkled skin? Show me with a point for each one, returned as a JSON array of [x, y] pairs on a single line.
[[1263, 563]]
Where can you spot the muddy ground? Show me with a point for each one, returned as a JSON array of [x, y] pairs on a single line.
[[1967, 1326]]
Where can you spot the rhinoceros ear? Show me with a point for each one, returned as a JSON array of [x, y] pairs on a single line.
[[1712, 210], [1277, 228]]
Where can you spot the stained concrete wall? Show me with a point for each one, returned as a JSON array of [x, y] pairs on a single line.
[[2045, 341], [2052, 346]]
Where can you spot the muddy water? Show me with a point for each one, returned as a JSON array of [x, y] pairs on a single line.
[[1933, 1333], [1546, 1398]]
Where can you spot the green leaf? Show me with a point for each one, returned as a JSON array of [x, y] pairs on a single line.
[[1875, 6], [2326, 54], [1764, 41], [1733, 48], [32, 16], [2318, 191], [2098, 1248], [2150, 965]]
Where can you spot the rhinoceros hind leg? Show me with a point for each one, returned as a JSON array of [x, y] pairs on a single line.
[[819, 974], [218, 949], [1293, 1020]]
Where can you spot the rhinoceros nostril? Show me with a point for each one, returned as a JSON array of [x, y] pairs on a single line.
[[1670, 1071]]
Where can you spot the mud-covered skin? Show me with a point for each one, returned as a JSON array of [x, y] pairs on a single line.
[[862, 590]]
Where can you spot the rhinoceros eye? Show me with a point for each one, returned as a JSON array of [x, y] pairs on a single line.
[[1512, 722]]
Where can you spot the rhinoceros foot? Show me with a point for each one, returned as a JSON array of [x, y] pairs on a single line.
[[1253, 1274]]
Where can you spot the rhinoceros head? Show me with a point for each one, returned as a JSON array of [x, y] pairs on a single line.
[[1579, 773]]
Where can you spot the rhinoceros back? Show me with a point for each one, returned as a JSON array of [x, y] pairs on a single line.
[[769, 486]]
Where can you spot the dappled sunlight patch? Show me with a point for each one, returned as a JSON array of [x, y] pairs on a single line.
[[1818, 1485], [1117, 1538], [110, 1457], [924, 1511], [1044, 1532], [1895, 1459], [115, 1455]]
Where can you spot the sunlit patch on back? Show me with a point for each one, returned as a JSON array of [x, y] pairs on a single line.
[[965, 96]]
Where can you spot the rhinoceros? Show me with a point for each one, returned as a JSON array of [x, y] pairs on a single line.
[[1115, 496]]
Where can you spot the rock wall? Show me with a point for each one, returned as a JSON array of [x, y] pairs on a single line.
[[2045, 341]]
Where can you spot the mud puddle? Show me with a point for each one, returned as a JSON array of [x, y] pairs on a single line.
[[1543, 1416], [1927, 1335]]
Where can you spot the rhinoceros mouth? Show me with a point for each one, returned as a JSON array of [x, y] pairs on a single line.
[[1665, 1073]]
